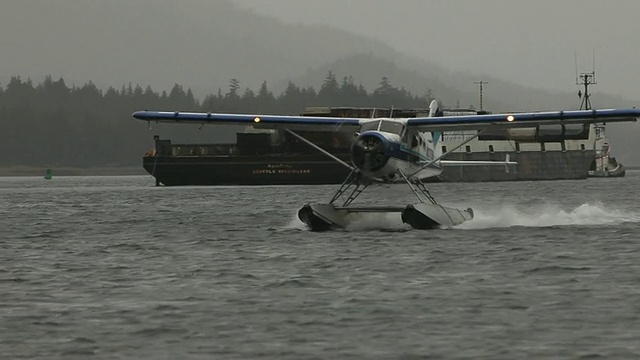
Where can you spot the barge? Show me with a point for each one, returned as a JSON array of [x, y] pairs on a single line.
[[553, 152]]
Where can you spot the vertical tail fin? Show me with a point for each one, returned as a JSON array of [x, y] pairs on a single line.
[[433, 112], [433, 108]]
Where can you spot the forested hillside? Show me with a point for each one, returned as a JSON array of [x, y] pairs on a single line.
[[53, 124]]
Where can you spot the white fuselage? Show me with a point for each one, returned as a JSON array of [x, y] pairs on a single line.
[[385, 151]]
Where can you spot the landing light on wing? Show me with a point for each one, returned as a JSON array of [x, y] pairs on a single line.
[[256, 119], [510, 118]]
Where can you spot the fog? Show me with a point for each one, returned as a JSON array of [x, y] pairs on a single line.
[[202, 43], [526, 50], [527, 42]]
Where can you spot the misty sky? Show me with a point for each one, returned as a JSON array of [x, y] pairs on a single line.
[[203, 43], [522, 41]]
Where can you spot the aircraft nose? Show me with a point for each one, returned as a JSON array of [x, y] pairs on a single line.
[[370, 152]]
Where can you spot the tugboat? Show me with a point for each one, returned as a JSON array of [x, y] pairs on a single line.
[[604, 165]]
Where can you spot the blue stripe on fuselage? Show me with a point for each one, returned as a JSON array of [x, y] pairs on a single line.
[[405, 154], [436, 137], [399, 150]]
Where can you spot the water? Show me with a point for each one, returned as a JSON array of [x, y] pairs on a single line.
[[115, 268]]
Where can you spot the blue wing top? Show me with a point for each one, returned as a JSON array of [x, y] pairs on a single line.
[[445, 123], [527, 119], [310, 123]]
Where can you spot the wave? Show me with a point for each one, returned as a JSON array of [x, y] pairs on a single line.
[[547, 215], [376, 221], [495, 216], [295, 223]]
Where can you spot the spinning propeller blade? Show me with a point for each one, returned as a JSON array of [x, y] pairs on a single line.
[[369, 153]]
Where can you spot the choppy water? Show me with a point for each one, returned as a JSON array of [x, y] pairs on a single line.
[[113, 267]]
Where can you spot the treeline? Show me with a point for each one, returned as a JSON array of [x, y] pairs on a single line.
[[53, 124]]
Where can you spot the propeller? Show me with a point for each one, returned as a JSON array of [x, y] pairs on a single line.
[[369, 153]]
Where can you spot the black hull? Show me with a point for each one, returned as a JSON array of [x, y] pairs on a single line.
[[317, 170], [245, 170]]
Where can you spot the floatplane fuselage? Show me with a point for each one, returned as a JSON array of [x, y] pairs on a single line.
[[393, 150]]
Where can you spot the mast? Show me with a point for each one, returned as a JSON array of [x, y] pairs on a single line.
[[601, 146], [585, 79], [481, 82]]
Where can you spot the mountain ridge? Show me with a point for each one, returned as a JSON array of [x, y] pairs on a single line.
[[160, 44]]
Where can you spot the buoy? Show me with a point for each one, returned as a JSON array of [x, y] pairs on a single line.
[[48, 175]]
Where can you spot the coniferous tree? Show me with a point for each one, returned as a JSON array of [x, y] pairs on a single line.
[[231, 100], [53, 124], [249, 100], [265, 99], [352, 95], [234, 86], [329, 93], [291, 99]]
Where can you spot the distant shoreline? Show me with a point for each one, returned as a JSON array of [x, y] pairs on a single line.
[[97, 171], [70, 171]]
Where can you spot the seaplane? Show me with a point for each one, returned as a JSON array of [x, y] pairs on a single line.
[[394, 150]]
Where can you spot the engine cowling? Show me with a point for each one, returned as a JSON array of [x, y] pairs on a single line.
[[370, 151]]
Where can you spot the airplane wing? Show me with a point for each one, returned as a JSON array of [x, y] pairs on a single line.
[[307, 123], [526, 119], [444, 123]]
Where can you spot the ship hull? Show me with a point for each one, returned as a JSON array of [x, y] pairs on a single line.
[[532, 165], [244, 170], [316, 170]]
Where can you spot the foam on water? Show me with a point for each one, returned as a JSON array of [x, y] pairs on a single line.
[[499, 217], [547, 215], [376, 221], [295, 223]]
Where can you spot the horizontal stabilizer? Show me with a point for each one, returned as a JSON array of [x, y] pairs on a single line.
[[506, 163]]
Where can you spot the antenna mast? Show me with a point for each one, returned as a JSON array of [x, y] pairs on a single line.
[[585, 79], [481, 82]]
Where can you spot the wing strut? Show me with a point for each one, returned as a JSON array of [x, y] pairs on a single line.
[[320, 149], [421, 187], [424, 166], [352, 180]]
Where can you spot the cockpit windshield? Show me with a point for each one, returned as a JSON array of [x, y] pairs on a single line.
[[369, 125], [393, 127]]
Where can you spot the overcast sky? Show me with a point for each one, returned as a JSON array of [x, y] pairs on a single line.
[[522, 41]]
